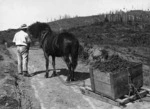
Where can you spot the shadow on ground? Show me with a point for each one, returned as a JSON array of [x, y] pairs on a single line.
[[78, 75]]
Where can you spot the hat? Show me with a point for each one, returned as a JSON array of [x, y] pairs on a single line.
[[24, 26]]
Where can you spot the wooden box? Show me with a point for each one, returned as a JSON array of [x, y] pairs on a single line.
[[115, 85]]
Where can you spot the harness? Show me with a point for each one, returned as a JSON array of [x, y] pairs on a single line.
[[43, 38], [132, 88]]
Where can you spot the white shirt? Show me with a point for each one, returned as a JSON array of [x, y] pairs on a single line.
[[21, 38]]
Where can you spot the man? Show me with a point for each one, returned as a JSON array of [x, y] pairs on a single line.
[[22, 42]]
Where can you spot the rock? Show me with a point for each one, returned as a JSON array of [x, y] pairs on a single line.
[[97, 52], [94, 52]]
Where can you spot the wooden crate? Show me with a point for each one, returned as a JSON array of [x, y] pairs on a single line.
[[115, 85]]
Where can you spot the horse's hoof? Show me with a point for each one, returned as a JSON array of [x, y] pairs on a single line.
[[53, 75], [46, 76], [73, 79]]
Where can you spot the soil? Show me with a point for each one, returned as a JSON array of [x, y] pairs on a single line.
[[52, 93], [8, 81], [14, 89]]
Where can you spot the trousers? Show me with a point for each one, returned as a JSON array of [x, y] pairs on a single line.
[[22, 57]]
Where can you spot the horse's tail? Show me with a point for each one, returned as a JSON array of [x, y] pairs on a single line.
[[74, 54]]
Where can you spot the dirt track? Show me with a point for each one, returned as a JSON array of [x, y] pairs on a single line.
[[53, 94]]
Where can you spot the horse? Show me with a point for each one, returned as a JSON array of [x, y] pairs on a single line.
[[63, 44]]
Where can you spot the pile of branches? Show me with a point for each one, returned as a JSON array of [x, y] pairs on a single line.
[[113, 64]]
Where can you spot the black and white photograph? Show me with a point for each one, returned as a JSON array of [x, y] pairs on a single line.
[[74, 54]]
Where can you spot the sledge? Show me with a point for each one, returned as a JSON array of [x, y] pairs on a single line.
[[117, 88], [117, 102]]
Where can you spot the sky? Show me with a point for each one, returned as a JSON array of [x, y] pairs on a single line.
[[14, 13]]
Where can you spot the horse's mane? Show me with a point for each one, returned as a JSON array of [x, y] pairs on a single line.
[[36, 28]]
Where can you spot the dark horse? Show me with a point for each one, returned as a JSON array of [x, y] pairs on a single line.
[[63, 45]]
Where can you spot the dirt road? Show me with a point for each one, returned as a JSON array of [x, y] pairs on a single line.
[[53, 94]]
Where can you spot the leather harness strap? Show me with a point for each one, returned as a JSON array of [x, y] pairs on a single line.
[[43, 38]]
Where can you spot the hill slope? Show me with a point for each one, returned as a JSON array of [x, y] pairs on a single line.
[[137, 17]]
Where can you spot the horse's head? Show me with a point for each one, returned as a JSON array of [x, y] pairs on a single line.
[[36, 29]]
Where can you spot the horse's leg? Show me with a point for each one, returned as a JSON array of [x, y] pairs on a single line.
[[47, 64], [53, 64], [73, 66], [74, 60], [67, 60], [73, 73]]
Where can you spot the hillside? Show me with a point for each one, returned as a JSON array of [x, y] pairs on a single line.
[[114, 34], [137, 17], [74, 22], [133, 16], [130, 29]]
